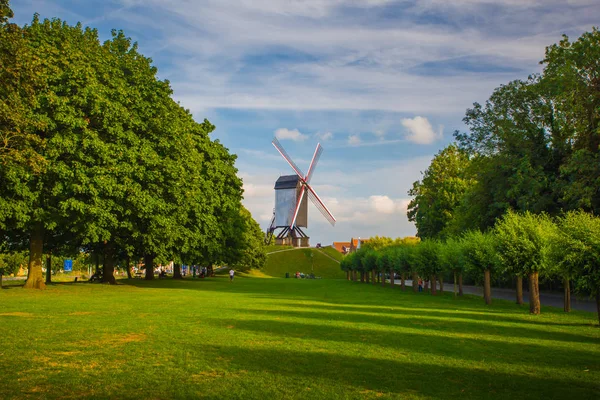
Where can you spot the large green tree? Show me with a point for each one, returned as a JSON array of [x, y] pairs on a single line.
[[439, 193]]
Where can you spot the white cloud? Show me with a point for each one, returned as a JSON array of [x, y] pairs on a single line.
[[420, 130], [385, 205], [324, 136], [354, 140], [286, 134]]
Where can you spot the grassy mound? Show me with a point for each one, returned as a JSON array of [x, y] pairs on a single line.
[[287, 339], [300, 260], [331, 252]]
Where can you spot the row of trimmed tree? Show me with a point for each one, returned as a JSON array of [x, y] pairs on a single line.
[[521, 245], [96, 156]]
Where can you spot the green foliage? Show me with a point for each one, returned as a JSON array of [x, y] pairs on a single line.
[[94, 149], [10, 262], [251, 250], [427, 258], [523, 242], [578, 250], [403, 257], [439, 193], [479, 252], [451, 255], [385, 259]]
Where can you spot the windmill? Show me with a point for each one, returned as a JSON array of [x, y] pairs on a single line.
[[291, 208]]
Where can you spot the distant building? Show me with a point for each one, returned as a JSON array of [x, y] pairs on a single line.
[[342, 247], [349, 247]]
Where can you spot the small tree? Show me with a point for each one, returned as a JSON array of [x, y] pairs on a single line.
[[564, 257], [581, 233], [385, 259], [369, 261], [480, 257], [402, 262], [523, 244], [428, 261], [452, 260]]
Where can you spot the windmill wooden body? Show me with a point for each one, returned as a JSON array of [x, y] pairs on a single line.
[[291, 207]]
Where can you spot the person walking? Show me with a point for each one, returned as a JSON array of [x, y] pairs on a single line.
[[420, 285], [231, 273]]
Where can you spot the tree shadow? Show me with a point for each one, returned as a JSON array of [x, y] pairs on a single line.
[[463, 313], [406, 377]]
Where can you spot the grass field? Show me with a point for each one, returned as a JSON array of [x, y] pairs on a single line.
[[286, 338], [280, 262]]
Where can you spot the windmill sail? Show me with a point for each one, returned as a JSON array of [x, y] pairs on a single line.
[[294, 212]]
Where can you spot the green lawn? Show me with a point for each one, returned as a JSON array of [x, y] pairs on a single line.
[[286, 338], [300, 260]]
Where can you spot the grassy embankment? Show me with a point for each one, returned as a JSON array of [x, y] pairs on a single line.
[[287, 338], [299, 259]]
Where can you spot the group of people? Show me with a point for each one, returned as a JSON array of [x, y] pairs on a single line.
[[201, 271]]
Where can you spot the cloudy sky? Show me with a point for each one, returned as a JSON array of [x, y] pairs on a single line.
[[382, 84]]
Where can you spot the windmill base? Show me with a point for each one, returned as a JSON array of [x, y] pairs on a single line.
[[292, 237]]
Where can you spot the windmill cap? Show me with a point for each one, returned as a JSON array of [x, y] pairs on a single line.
[[287, 182]]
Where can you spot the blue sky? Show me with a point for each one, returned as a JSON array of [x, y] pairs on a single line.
[[382, 84]]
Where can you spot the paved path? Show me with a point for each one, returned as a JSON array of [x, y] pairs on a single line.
[[294, 249], [547, 299]]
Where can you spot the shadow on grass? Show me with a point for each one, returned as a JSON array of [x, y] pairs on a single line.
[[446, 324], [430, 341], [405, 377], [462, 313], [377, 301]]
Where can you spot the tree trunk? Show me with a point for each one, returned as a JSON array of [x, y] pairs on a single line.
[[454, 284], [392, 272], [487, 286], [598, 306], [347, 275], [97, 262], [441, 283], [520, 290], [0, 279], [49, 268], [362, 276], [460, 289], [128, 266], [567, 296], [433, 285], [534, 293], [383, 278], [402, 281], [426, 285], [108, 268], [373, 277], [415, 282], [149, 265], [36, 249], [177, 271]]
